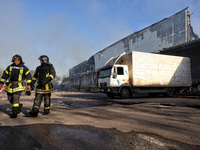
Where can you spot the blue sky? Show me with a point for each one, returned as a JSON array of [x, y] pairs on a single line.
[[70, 31]]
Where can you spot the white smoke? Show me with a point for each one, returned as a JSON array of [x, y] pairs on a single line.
[[63, 38], [56, 36], [53, 37]]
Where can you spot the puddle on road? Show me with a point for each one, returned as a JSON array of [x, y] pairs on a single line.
[[74, 133], [82, 104], [55, 136], [181, 105], [94, 102]]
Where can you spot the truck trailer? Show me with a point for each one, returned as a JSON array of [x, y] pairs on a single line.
[[140, 72]]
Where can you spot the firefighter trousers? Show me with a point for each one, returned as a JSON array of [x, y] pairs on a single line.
[[13, 98], [38, 100]]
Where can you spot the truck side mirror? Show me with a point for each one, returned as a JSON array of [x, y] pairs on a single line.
[[114, 75]]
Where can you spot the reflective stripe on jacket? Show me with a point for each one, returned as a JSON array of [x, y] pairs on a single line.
[[16, 76], [44, 74]]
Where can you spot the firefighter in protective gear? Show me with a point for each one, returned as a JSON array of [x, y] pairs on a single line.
[[44, 74], [16, 74]]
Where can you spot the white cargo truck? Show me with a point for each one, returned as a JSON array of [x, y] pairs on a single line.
[[139, 72]]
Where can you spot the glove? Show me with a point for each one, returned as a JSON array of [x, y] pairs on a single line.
[[28, 93]]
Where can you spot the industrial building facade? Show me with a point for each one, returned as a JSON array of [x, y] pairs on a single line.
[[168, 32]]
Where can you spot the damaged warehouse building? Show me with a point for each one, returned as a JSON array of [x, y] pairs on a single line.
[[168, 33]]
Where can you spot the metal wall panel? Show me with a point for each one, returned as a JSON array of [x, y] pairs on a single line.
[[165, 33]]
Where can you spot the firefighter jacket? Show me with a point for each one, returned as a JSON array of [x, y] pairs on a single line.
[[16, 75], [44, 74]]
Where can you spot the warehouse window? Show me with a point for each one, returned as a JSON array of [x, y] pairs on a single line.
[[120, 70]]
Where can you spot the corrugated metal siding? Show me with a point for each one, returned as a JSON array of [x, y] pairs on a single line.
[[165, 33]]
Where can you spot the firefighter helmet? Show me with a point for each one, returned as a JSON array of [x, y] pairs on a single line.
[[17, 57], [44, 58]]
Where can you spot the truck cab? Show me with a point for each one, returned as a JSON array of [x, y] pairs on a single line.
[[113, 78]]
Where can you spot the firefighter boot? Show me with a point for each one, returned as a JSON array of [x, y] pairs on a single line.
[[14, 112], [13, 115], [19, 109], [46, 111], [34, 112]]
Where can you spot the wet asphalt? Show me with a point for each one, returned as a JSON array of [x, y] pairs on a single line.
[[56, 137], [90, 121]]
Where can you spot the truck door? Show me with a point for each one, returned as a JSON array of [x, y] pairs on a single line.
[[122, 75]]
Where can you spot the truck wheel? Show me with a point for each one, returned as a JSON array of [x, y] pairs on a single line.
[[125, 93], [169, 92]]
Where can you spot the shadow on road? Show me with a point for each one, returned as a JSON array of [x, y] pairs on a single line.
[[99, 99], [6, 108]]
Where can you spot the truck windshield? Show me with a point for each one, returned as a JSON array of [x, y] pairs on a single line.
[[105, 73]]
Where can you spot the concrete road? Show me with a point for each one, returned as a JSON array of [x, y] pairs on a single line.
[[90, 121]]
